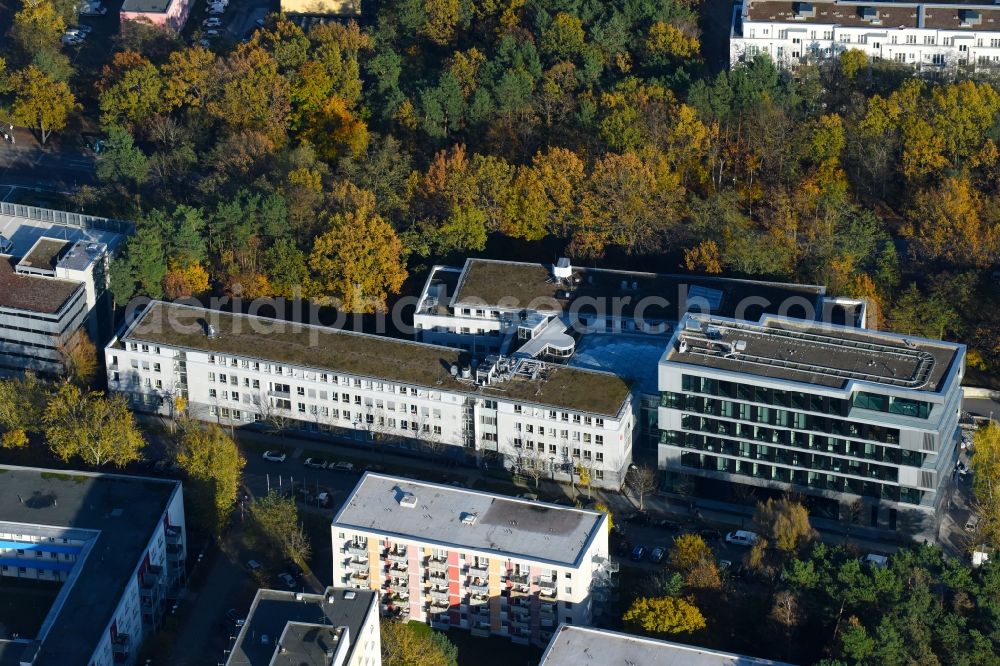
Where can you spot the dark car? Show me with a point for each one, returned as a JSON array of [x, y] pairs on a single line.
[[294, 569], [668, 525], [657, 554], [638, 553], [710, 535], [624, 547]]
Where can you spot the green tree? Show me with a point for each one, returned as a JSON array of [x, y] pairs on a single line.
[[665, 615], [122, 162], [40, 102], [415, 644], [143, 266], [277, 518], [286, 268], [135, 97], [985, 465], [564, 38], [95, 428], [214, 465]]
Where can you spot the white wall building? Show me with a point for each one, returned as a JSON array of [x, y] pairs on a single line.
[[117, 545], [461, 558], [339, 627], [839, 414], [53, 282], [240, 369], [922, 35]]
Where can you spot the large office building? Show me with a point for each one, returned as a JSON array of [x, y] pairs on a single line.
[[240, 369], [573, 646], [598, 319], [839, 414], [933, 36], [339, 627], [112, 548], [452, 557], [53, 283]]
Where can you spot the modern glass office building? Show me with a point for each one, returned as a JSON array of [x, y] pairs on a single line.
[[862, 422]]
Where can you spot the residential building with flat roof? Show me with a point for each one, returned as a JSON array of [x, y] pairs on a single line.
[[115, 543], [339, 627], [843, 415], [923, 35], [53, 283], [241, 369], [171, 14], [461, 558], [573, 646], [341, 9]]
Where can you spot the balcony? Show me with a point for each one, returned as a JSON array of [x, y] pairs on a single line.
[[521, 611], [175, 552], [518, 578], [358, 549], [399, 557], [174, 535], [480, 629], [360, 566], [440, 595], [481, 571], [439, 604], [437, 564], [437, 576], [358, 579], [397, 581], [479, 587], [547, 590]]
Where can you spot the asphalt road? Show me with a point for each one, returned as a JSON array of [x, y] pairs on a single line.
[[26, 164]]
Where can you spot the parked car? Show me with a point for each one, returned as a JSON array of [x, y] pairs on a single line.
[[83, 29], [93, 10], [260, 22], [638, 518], [253, 565], [710, 535], [216, 10], [972, 523], [212, 33], [204, 43], [288, 581], [531, 497], [657, 554], [742, 538], [725, 565], [235, 618], [341, 466], [315, 463], [624, 547], [212, 22], [638, 553], [666, 524], [5, 245], [295, 569], [71, 40], [274, 456]]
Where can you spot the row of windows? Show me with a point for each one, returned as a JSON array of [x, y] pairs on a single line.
[[765, 396], [597, 456], [776, 454], [778, 417], [574, 435], [345, 415], [800, 477], [892, 404]]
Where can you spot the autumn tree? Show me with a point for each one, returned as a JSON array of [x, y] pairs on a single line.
[[985, 464], [89, 425], [665, 42], [134, 97], [665, 615], [785, 523], [214, 465], [22, 404], [79, 357], [691, 556], [359, 259], [643, 479], [187, 77], [415, 644], [445, 198], [852, 61], [40, 102], [277, 519], [946, 224]]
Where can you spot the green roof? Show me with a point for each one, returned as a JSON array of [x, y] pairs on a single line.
[[374, 356]]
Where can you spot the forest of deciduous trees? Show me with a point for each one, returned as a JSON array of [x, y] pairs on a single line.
[[333, 162]]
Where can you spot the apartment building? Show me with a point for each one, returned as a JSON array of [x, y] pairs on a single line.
[[236, 369], [337, 628], [452, 557], [172, 14], [115, 543], [53, 283], [931, 36], [572, 646], [841, 415], [598, 319]]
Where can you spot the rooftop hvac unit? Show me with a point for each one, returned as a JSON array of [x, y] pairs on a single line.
[[740, 345], [408, 500], [563, 270]]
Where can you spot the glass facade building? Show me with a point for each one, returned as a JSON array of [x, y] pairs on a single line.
[[837, 413]]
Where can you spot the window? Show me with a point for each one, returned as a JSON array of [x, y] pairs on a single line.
[[517, 409]]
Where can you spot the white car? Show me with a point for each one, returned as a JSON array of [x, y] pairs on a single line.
[[742, 538], [314, 463], [216, 10], [274, 456], [212, 33], [212, 22], [874, 560]]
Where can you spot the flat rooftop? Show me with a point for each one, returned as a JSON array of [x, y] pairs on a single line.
[[22, 226], [517, 285], [503, 525], [146, 6], [33, 293], [583, 646], [310, 626], [812, 353], [632, 357], [891, 15], [378, 357], [123, 511], [43, 255]]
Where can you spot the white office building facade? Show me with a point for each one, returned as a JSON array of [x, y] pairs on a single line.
[[926, 36]]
